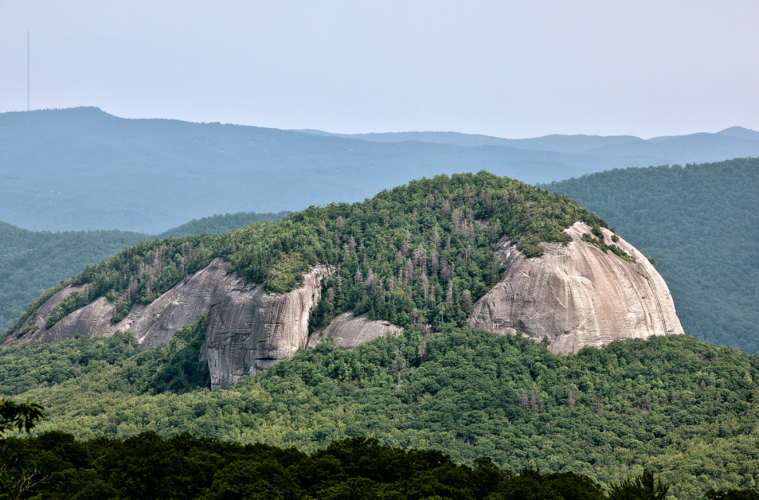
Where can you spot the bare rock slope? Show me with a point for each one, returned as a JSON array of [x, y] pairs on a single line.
[[348, 331], [153, 324], [574, 295], [249, 330], [577, 295]]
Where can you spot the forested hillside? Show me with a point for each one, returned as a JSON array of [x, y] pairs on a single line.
[[701, 225], [32, 262], [683, 408], [419, 254]]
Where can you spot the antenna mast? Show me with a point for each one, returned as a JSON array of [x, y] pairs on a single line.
[[27, 71]]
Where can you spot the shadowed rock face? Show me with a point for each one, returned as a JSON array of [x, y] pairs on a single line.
[[577, 295], [348, 331], [574, 295], [250, 330]]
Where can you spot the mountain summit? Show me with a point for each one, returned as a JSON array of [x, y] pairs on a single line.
[[480, 249]]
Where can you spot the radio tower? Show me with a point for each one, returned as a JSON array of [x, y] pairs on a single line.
[[27, 71]]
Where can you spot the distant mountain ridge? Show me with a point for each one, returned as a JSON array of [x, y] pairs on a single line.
[[559, 143], [555, 143], [82, 169]]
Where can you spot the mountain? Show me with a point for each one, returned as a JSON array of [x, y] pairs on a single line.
[[363, 319], [31, 262], [742, 133], [701, 225], [555, 143], [417, 257], [83, 169]]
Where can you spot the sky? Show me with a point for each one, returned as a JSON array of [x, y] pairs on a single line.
[[508, 69]]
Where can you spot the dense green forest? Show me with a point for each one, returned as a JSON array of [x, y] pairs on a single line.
[[678, 406], [187, 467], [418, 254], [701, 225], [32, 262]]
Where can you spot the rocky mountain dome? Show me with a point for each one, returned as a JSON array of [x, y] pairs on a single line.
[[577, 295], [489, 251]]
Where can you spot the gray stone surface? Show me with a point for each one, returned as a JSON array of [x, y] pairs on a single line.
[[577, 295], [249, 330], [348, 331], [157, 322], [87, 321], [38, 332], [152, 325]]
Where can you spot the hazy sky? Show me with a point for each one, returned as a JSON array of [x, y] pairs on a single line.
[[510, 69]]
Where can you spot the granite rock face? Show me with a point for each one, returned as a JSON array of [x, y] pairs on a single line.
[[88, 321], [250, 330], [574, 295], [577, 295], [348, 331], [153, 324], [157, 322]]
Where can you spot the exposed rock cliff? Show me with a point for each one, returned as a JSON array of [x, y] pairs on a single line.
[[348, 331], [86, 321], [577, 295], [249, 330], [152, 325], [157, 323]]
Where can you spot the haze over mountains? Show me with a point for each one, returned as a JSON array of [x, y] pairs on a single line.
[[595, 144], [81, 168]]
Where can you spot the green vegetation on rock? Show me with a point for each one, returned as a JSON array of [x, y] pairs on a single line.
[[418, 254], [701, 224]]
